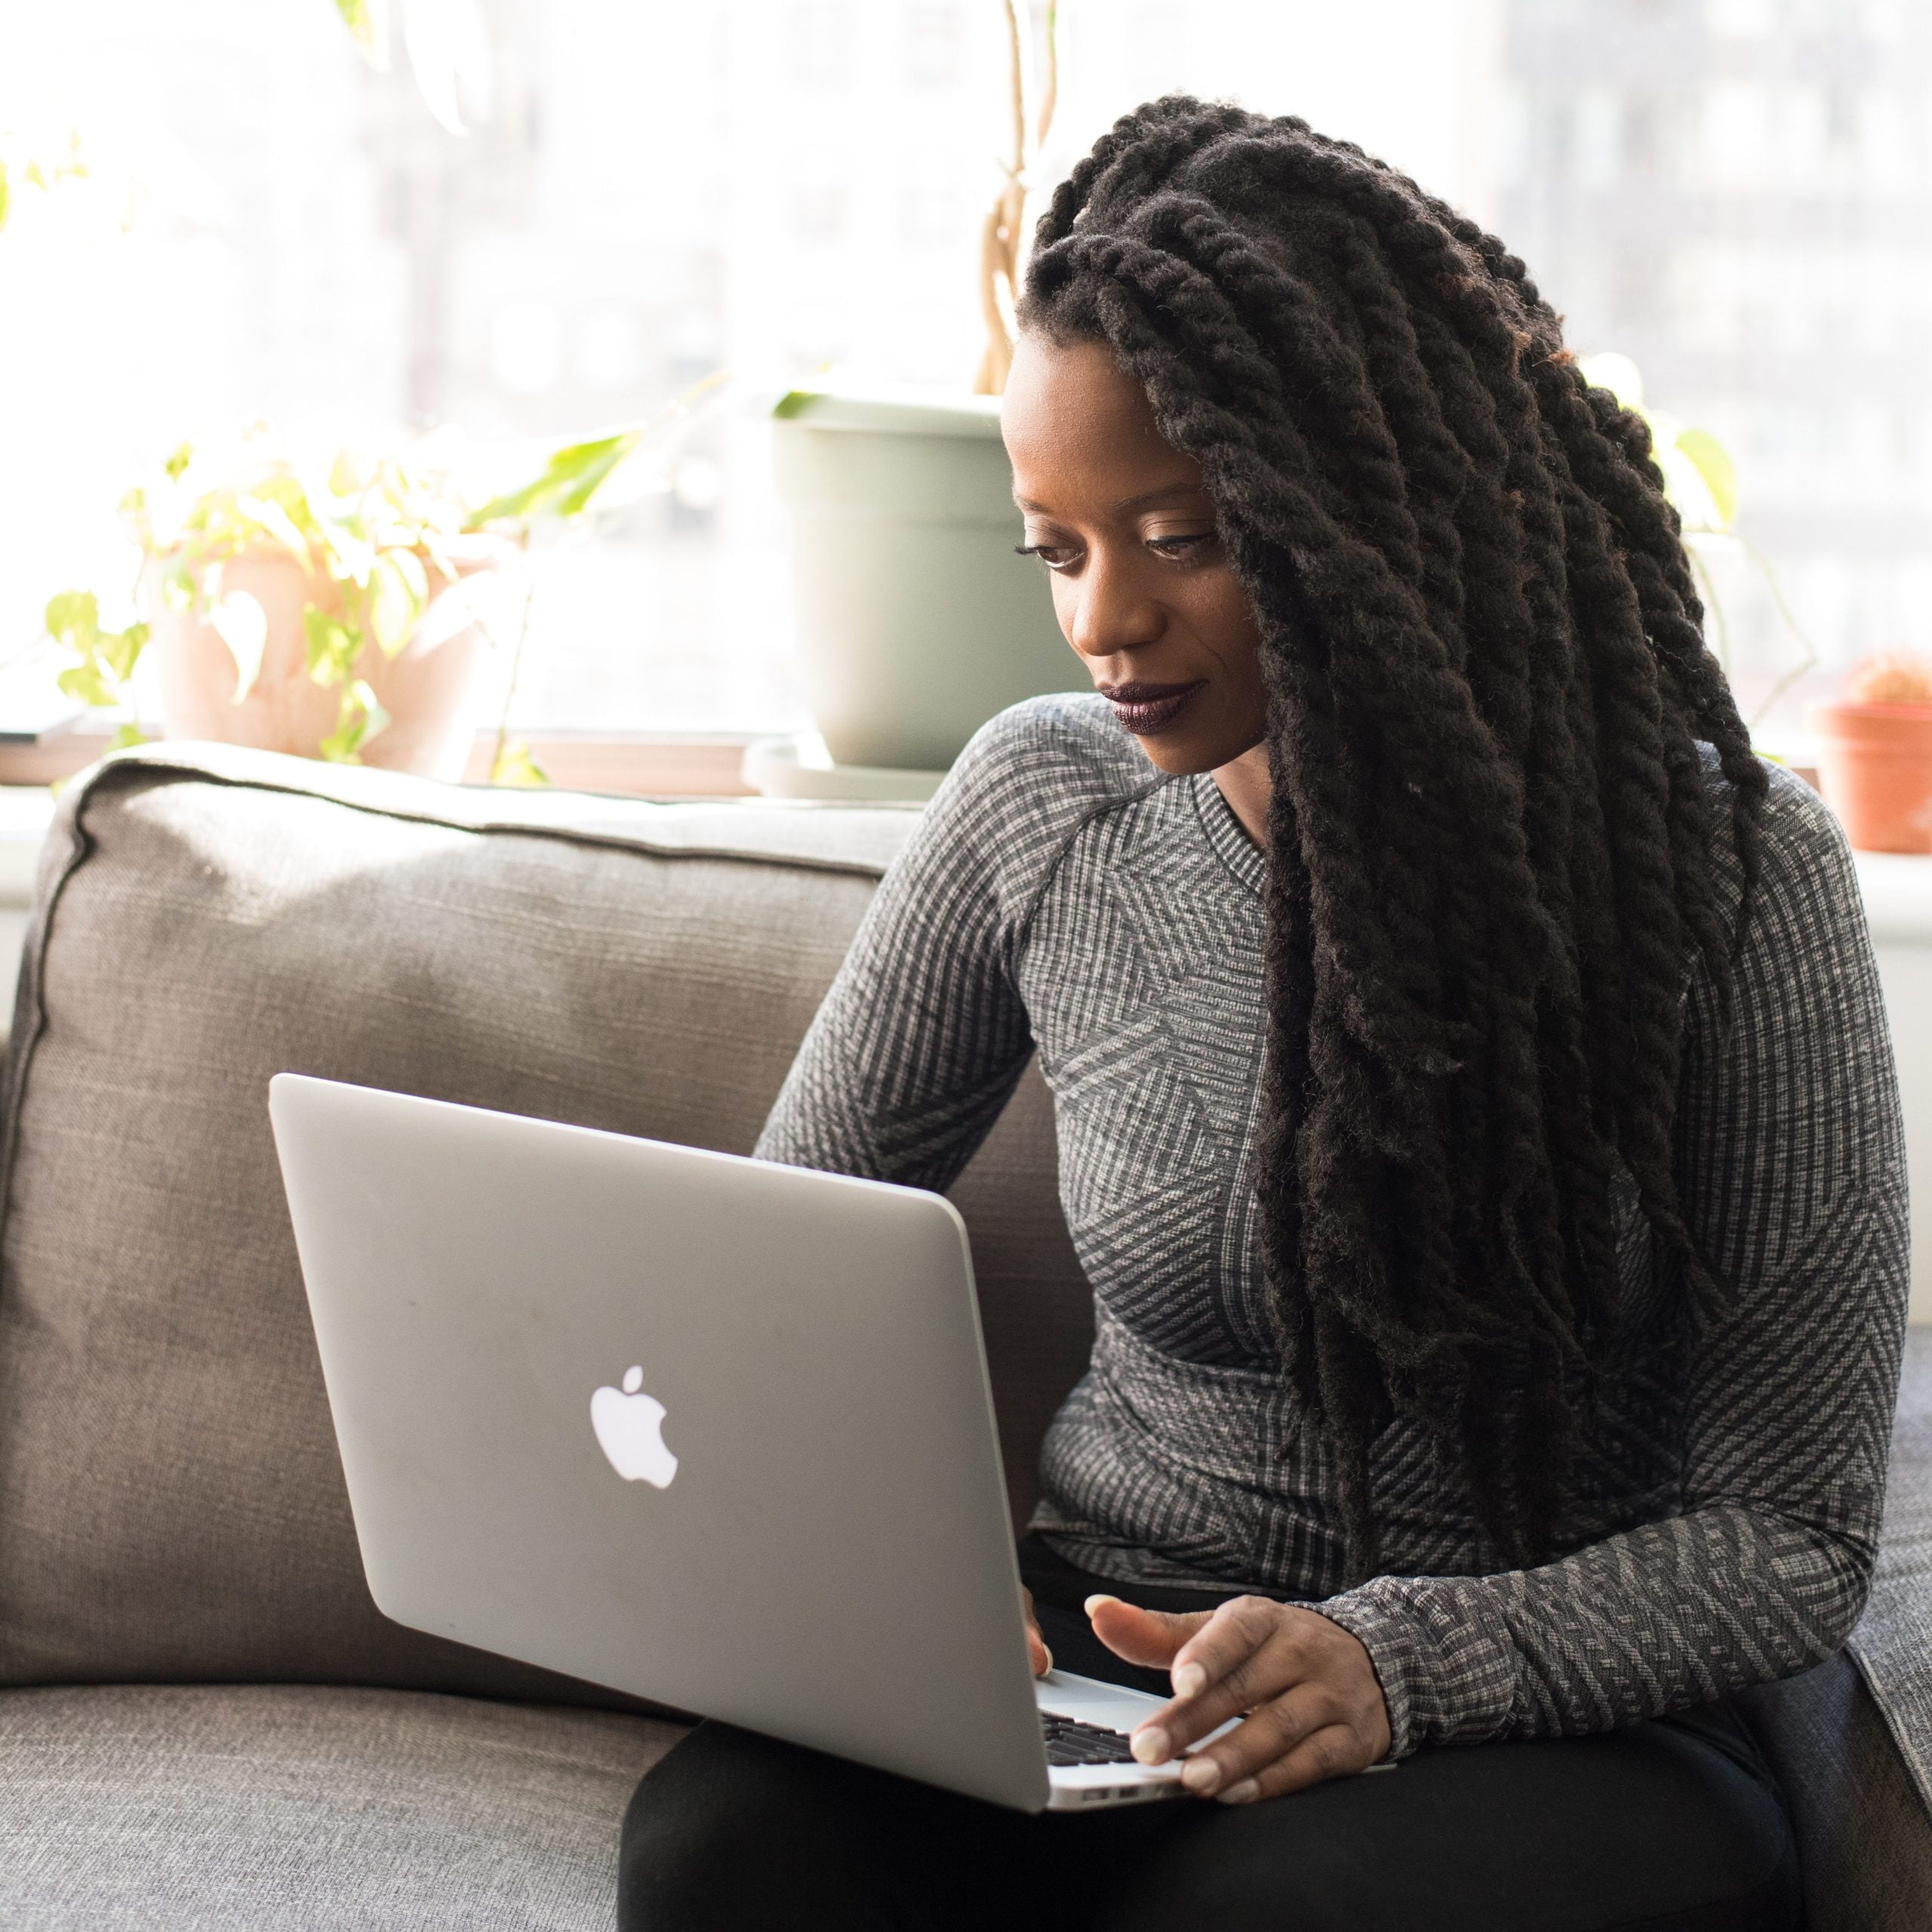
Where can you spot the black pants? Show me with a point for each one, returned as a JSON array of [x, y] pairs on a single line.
[[1675, 1826]]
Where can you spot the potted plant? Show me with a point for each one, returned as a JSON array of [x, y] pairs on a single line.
[[916, 620], [328, 612], [303, 611], [1874, 753]]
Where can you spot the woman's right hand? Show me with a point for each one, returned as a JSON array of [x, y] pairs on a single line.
[[1036, 1644]]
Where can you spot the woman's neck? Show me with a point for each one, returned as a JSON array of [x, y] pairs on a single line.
[[1244, 784]]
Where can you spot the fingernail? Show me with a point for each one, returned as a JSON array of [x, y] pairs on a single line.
[[1097, 1599], [1200, 1775], [1152, 1745], [1189, 1681], [1049, 1664], [1246, 1792]]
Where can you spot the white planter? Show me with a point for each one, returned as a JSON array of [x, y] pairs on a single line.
[[916, 621]]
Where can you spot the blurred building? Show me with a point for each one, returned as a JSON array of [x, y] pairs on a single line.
[[1738, 194], [770, 187]]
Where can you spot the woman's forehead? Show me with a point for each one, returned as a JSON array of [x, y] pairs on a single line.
[[1074, 420]]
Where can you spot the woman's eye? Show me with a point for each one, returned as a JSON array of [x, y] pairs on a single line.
[[1055, 556], [1189, 545]]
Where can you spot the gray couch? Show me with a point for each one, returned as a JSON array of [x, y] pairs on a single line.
[[205, 1723]]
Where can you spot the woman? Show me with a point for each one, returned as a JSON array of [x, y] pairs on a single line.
[[1475, 1115]]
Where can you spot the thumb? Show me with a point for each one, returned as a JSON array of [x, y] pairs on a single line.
[[1148, 1637], [1037, 1654]]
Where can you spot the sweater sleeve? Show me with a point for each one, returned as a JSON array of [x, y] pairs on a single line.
[[1790, 1161], [923, 1036]]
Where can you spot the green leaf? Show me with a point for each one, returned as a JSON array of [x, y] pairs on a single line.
[[571, 478], [347, 475], [178, 460], [85, 683], [121, 650], [413, 574], [133, 510], [288, 489], [177, 585], [361, 718], [398, 589], [6, 195], [73, 618], [376, 718], [363, 20], [342, 744], [514, 765], [1712, 461], [332, 645], [794, 402], [349, 556], [128, 736], [241, 624], [274, 522]]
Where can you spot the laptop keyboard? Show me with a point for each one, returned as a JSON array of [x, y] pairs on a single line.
[[1069, 1742]]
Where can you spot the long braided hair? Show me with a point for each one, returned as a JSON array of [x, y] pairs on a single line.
[[1491, 828]]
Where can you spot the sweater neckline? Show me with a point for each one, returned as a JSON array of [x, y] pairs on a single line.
[[1227, 835]]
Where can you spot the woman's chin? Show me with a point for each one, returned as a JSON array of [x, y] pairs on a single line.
[[1179, 754]]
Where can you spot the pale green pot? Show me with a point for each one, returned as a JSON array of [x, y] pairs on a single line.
[[917, 622]]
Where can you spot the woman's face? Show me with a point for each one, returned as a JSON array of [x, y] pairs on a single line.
[[1141, 583]]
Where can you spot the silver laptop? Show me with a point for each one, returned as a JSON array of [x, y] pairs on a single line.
[[708, 1430]]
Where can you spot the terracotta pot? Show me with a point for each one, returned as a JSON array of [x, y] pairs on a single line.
[[1875, 768], [428, 688]]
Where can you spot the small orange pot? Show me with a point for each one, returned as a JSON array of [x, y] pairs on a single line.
[[1875, 768]]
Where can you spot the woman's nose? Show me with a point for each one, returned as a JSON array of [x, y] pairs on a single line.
[[1109, 610]]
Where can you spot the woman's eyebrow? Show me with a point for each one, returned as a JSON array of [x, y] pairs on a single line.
[[1159, 494]]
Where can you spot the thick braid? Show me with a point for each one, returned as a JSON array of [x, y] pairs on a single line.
[[1505, 335], [1352, 1182], [1136, 153], [1491, 827], [1658, 566]]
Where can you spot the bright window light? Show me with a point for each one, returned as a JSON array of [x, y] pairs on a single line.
[[1737, 194]]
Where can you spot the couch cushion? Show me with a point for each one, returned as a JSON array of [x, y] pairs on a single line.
[[1851, 1741], [298, 1807], [1893, 1643], [171, 1507], [1863, 1842]]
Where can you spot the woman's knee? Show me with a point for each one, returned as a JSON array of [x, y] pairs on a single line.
[[731, 1829], [1654, 1827]]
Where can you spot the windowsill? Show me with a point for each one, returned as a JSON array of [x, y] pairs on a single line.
[[640, 764]]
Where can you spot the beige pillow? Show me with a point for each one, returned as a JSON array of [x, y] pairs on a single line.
[[171, 1507]]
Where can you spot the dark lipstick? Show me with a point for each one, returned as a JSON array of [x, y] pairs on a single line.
[[1144, 708]]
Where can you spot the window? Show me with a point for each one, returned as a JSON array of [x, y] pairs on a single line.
[[647, 194]]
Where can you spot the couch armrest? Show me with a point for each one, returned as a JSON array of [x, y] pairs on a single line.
[[1864, 1838], [1851, 1741]]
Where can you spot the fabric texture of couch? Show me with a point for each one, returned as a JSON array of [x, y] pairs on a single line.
[[206, 1722]]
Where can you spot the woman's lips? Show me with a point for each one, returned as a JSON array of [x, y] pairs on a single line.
[[1144, 709]]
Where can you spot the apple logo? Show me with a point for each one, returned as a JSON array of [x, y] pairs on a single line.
[[629, 1427]]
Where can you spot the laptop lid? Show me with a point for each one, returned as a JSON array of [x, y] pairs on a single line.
[[713, 1431]]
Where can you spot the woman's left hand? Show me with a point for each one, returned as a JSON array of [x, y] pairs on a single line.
[[1308, 1694]]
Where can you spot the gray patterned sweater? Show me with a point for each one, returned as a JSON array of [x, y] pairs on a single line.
[[1061, 895]]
